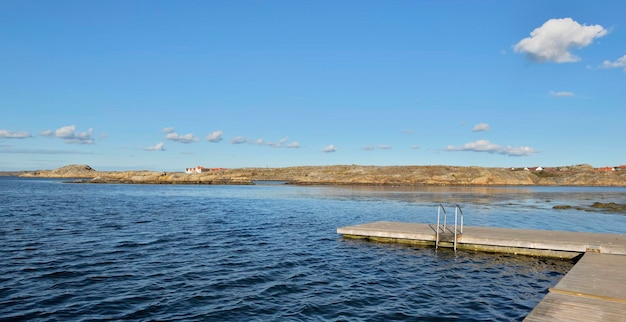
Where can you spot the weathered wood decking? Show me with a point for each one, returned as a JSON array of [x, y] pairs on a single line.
[[593, 290], [561, 244]]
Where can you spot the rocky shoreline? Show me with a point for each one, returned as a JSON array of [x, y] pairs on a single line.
[[578, 175], [596, 206]]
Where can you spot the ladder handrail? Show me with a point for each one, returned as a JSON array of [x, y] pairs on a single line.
[[457, 231], [457, 207], [441, 207]]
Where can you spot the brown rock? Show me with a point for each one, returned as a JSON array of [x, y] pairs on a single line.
[[580, 175]]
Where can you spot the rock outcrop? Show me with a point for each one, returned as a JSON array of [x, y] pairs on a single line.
[[68, 171], [580, 175]]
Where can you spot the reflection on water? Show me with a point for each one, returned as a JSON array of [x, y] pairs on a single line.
[[512, 207]]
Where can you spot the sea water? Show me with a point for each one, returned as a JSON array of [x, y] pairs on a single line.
[[270, 252]]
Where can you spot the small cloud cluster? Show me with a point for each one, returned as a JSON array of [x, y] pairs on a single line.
[[380, 146], [173, 136], [554, 40], [10, 149], [215, 137], [486, 146], [5, 134], [69, 135], [561, 94], [330, 148], [158, 147], [218, 135], [282, 143], [481, 127], [238, 140], [619, 63], [279, 144]]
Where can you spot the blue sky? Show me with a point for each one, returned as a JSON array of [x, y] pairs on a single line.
[[165, 85]]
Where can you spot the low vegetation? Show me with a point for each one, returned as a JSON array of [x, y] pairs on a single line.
[[579, 175]]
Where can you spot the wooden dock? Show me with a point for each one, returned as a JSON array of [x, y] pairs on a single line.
[[593, 290], [549, 243]]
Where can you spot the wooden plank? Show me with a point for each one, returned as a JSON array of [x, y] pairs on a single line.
[[561, 307], [547, 239], [600, 274], [593, 290]]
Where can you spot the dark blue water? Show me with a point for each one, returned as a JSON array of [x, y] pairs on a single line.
[[268, 252]]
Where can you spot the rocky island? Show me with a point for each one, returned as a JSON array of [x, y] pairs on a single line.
[[577, 175]]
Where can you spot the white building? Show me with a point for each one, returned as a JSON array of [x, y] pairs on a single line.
[[197, 169]]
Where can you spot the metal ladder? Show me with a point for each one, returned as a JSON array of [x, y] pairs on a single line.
[[441, 228]]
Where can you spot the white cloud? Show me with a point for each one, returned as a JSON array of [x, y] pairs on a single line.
[[4, 134], [553, 41], [69, 135], [157, 147], [486, 146], [238, 140], [187, 138], [216, 136], [619, 63], [415, 147], [380, 146], [481, 127], [278, 144], [39, 151], [561, 94], [282, 143], [173, 136], [329, 148]]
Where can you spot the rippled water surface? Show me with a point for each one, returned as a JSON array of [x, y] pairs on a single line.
[[269, 252]]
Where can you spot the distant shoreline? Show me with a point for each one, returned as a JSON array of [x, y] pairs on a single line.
[[577, 175], [12, 173]]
